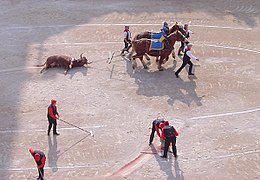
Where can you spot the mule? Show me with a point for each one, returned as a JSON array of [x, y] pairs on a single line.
[[148, 35], [142, 46]]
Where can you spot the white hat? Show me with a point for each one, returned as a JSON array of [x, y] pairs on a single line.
[[189, 44]]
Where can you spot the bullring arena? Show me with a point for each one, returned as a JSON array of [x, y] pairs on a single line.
[[216, 112]]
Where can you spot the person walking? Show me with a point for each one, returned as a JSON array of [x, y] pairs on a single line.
[[53, 115], [169, 134], [155, 127], [40, 159], [187, 60], [127, 40], [187, 35]]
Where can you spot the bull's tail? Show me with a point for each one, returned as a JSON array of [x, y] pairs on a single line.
[[40, 65]]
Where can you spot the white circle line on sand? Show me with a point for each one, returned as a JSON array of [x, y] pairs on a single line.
[[81, 43], [230, 47], [105, 164], [256, 151], [226, 114], [119, 42], [118, 24], [52, 167], [222, 27], [43, 130]]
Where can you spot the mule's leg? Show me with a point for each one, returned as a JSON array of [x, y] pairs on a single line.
[[173, 54], [181, 49], [134, 63], [165, 60], [160, 63], [142, 61], [147, 57], [131, 54]]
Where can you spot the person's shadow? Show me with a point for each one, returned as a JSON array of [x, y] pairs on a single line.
[[167, 164], [190, 94], [53, 153]]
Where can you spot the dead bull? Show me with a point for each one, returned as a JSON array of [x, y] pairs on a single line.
[[64, 61]]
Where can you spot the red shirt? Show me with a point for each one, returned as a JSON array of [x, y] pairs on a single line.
[[50, 111], [41, 162]]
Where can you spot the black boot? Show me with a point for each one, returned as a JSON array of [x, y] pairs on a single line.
[[122, 53], [48, 132], [179, 52]]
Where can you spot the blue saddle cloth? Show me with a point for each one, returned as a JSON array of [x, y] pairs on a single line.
[[156, 44], [157, 35]]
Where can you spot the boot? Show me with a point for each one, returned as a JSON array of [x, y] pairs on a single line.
[[179, 52]]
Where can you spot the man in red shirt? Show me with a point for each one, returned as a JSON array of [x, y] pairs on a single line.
[[39, 158], [53, 115], [169, 134]]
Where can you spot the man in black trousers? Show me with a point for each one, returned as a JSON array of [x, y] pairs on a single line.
[[127, 40], [169, 134], [187, 60], [40, 159], [155, 127], [53, 115]]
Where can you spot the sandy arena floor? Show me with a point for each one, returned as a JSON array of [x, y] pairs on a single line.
[[216, 113]]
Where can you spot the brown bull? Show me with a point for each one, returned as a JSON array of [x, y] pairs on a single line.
[[64, 61], [142, 47]]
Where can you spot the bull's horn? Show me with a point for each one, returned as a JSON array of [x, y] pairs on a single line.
[[81, 56]]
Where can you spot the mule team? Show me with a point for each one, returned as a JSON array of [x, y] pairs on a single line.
[[141, 46]]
